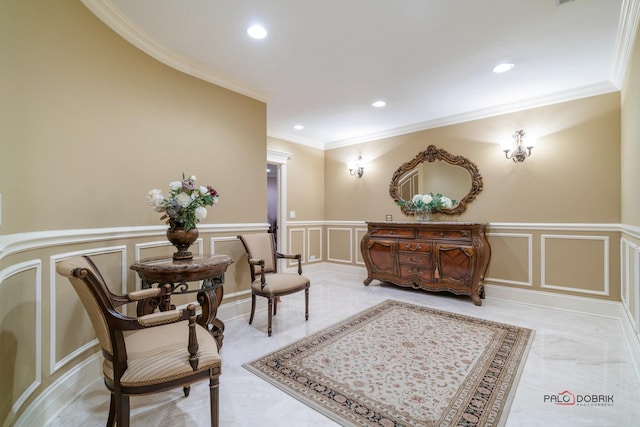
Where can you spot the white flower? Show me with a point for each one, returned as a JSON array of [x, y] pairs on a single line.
[[175, 185], [417, 198], [201, 213], [193, 178], [155, 199], [426, 199], [204, 190], [183, 199], [215, 200], [446, 202]]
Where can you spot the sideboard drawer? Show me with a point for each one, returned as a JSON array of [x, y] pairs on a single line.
[[409, 233], [444, 234], [413, 272], [423, 259], [414, 246]]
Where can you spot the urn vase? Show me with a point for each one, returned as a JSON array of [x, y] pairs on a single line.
[[182, 239]]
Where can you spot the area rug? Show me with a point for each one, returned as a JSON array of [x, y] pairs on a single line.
[[399, 364]]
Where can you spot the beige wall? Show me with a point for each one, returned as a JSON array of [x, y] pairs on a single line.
[[305, 179], [572, 176], [630, 137], [630, 212], [89, 124]]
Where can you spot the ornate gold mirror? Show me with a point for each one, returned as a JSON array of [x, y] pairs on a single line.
[[436, 171]]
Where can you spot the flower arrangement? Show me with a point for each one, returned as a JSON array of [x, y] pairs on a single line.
[[428, 202], [185, 206]]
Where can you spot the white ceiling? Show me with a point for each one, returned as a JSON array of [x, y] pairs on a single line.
[[324, 62]]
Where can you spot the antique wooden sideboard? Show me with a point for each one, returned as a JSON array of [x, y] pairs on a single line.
[[434, 256]]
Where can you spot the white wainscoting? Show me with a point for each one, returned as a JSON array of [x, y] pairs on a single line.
[[36, 266], [57, 242]]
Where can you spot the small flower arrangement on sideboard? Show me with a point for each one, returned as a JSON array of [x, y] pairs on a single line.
[[423, 205]]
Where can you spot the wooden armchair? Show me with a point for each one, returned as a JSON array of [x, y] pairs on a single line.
[[159, 352], [265, 279]]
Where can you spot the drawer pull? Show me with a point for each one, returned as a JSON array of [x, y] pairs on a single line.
[[417, 247], [416, 260]]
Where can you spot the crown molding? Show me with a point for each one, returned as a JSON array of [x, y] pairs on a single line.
[[541, 101], [114, 19], [627, 28], [629, 21], [295, 139]]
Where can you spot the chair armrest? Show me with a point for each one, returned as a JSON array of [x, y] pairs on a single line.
[[291, 256], [260, 262], [160, 318], [144, 294]]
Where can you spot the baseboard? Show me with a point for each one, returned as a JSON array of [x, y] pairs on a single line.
[[58, 395], [329, 267], [578, 304]]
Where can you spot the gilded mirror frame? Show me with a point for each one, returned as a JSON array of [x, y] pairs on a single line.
[[431, 154]]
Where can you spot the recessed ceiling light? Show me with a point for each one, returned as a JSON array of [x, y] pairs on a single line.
[[257, 32], [379, 104], [298, 127], [502, 68]]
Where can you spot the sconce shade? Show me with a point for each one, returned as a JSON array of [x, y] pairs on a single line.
[[357, 169], [519, 153]]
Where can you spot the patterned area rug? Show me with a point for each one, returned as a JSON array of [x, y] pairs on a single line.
[[398, 364]]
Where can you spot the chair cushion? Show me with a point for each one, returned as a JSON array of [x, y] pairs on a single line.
[[280, 282], [160, 354]]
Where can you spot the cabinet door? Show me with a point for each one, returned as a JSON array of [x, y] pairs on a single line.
[[454, 263], [382, 255]]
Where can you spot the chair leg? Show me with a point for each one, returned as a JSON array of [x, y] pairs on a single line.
[[306, 304], [111, 422], [122, 411], [214, 393], [275, 305], [186, 390], [253, 308], [270, 309]]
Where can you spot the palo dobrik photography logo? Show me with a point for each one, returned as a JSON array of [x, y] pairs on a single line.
[[565, 397]]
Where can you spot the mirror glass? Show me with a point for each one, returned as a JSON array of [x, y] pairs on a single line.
[[437, 171]]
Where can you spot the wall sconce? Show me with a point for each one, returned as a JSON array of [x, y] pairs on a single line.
[[518, 154], [356, 169]]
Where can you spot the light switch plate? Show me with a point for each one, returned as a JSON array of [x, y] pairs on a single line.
[[292, 214]]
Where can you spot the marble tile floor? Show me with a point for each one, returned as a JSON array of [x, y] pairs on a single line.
[[587, 355]]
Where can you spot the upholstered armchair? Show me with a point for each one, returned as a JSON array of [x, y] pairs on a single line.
[[266, 281], [147, 354]]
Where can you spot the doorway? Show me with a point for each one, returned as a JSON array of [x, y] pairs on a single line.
[[272, 199], [277, 195]]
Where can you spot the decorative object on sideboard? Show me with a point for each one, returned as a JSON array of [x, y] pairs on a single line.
[[183, 209], [356, 168], [423, 205], [455, 176], [518, 153]]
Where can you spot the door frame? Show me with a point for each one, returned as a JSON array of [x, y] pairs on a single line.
[[280, 158]]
